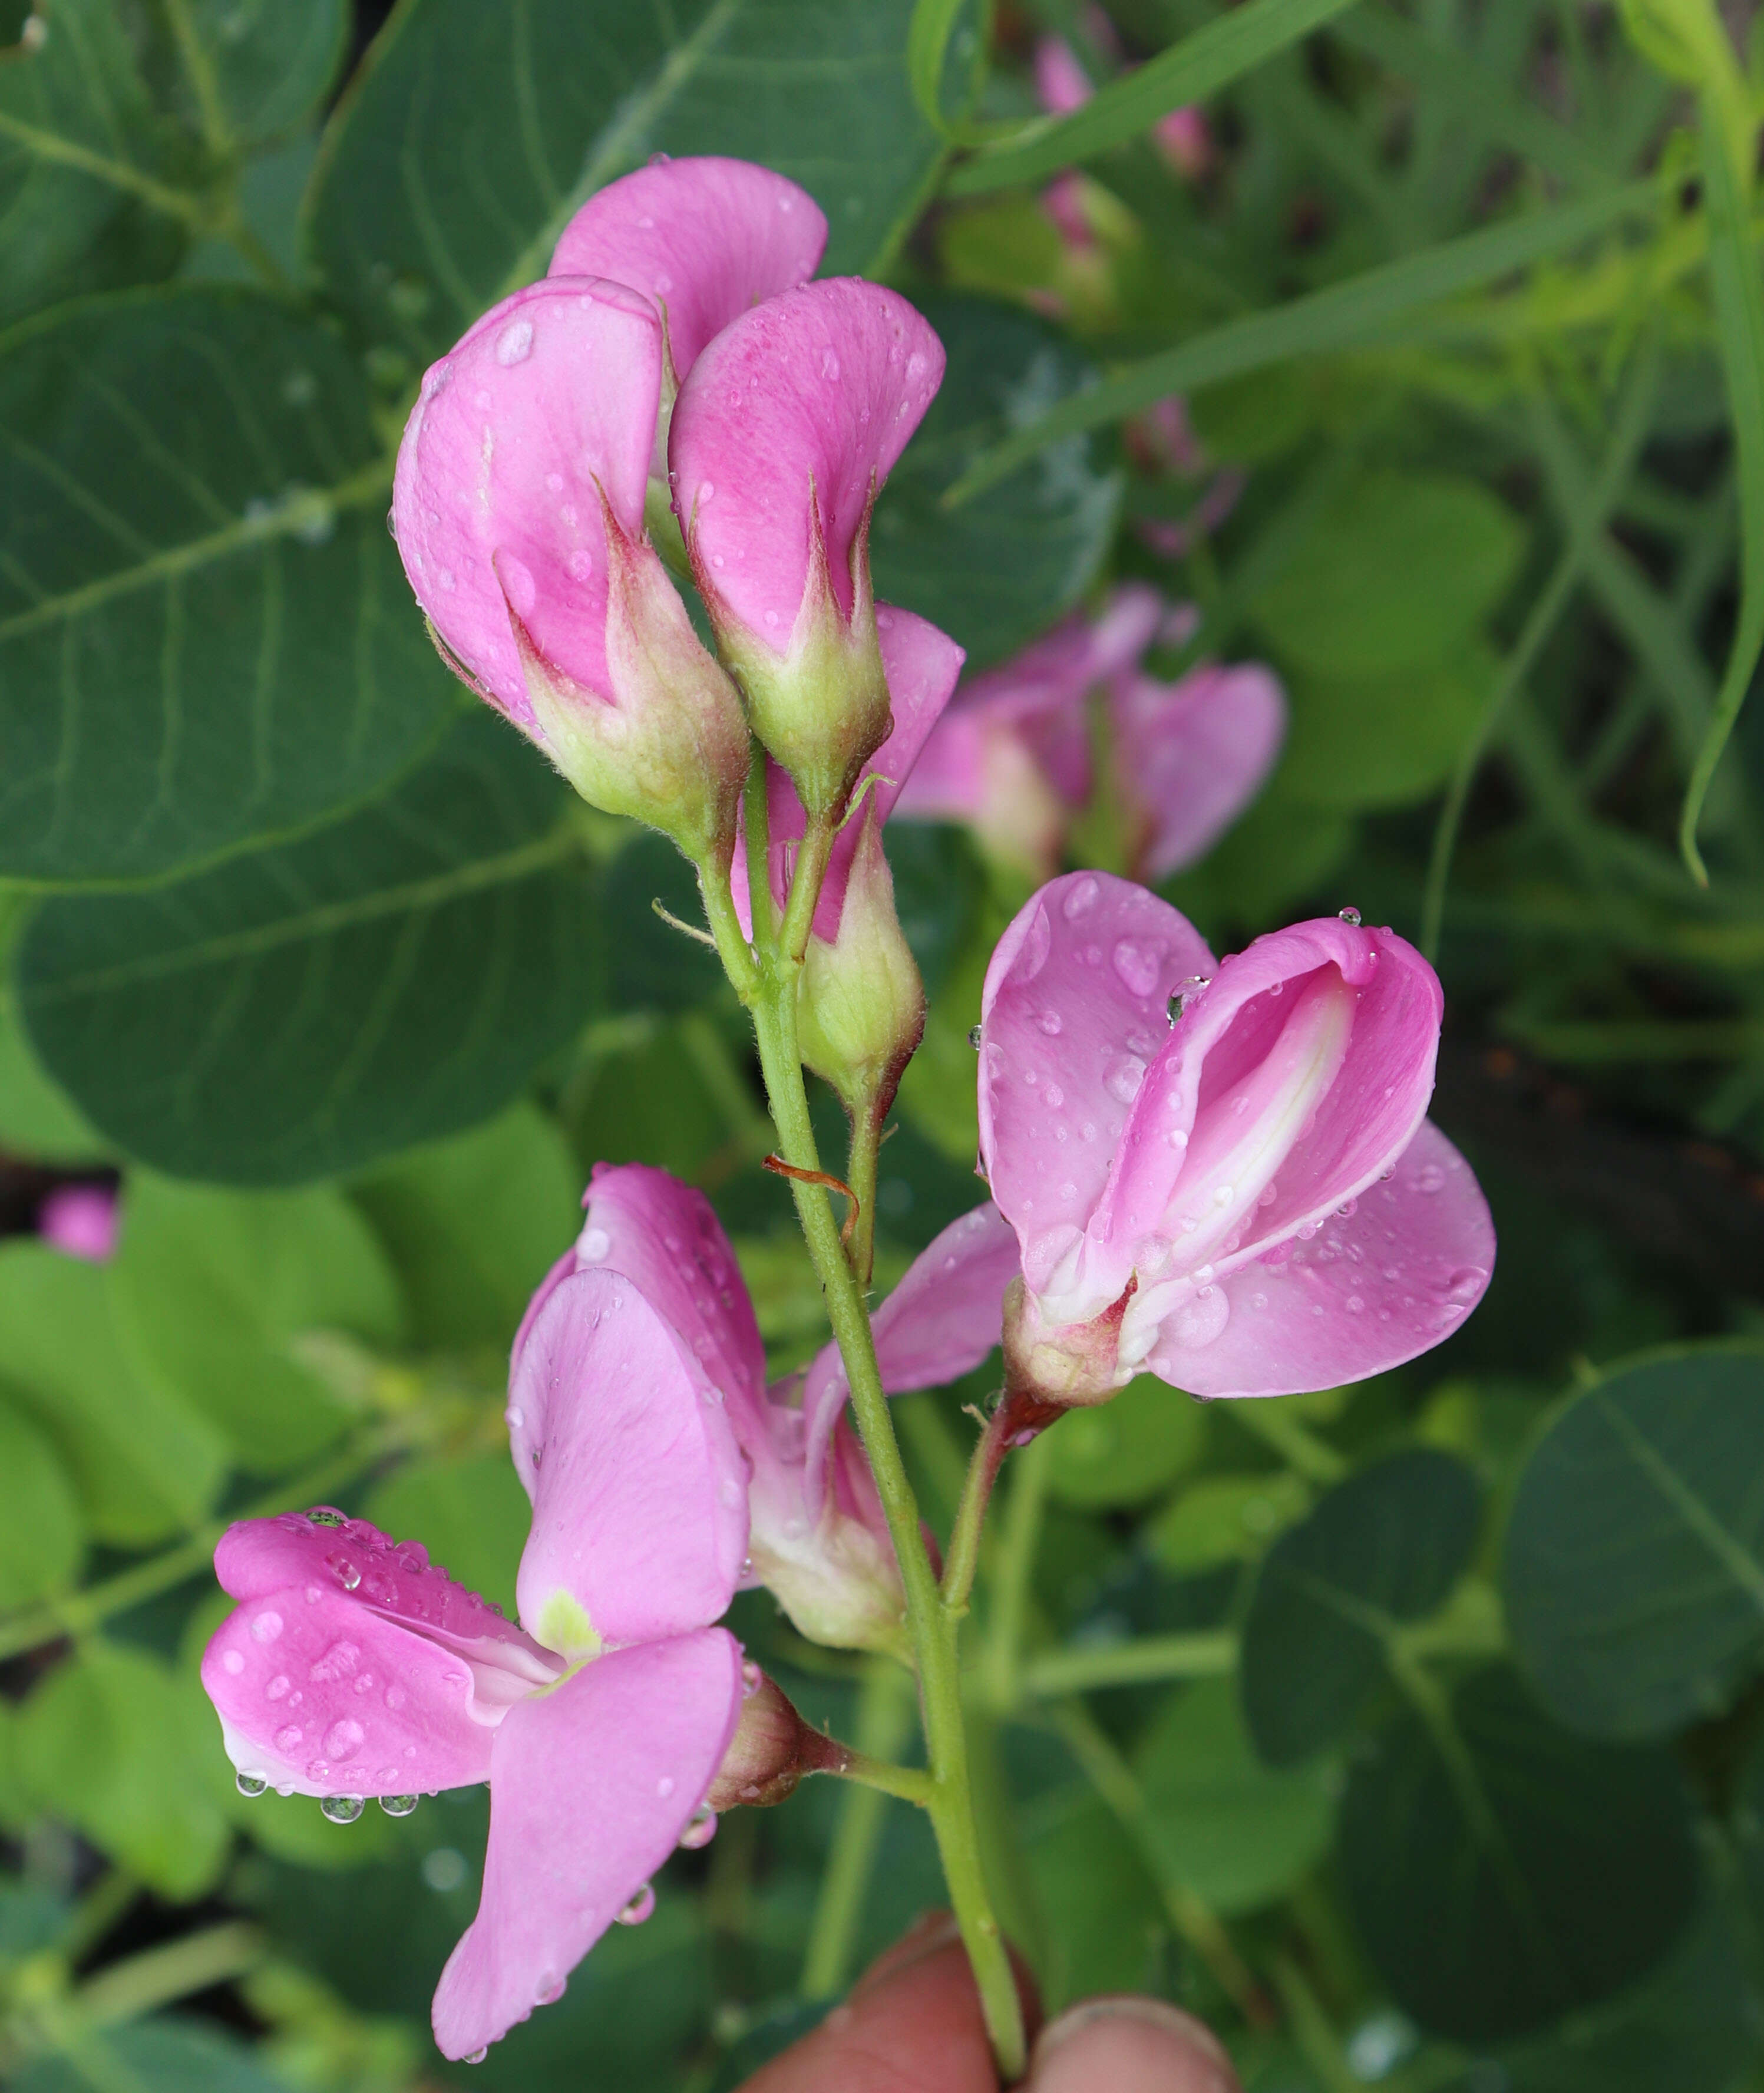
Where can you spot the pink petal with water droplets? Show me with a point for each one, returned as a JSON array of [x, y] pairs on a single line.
[[666, 1237], [1074, 1011], [590, 1788], [549, 400], [704, 237], [823, 384], [1305, 1068], [328, 1696], [1392, 1279], [638, 1488], [939, 1322], [1191, 756]]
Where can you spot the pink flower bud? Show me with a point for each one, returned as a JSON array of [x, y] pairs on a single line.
[[785, 429], [861, 1002], [519, 505], [1247, 1200], [81, 1221]]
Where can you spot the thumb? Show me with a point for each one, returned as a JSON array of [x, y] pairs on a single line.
[[1128, 2045], [912, 2025]]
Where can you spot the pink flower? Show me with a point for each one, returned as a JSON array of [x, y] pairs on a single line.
[[1248, 1201], [81, 1221], [817, 1537], [353, 1667], [784, 431], [1012, 754]]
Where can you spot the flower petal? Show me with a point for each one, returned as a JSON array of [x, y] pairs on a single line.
[[1192, 754], [817, 389], [548, 401], [1372, 1288], [590, 1788], [1326, 1035], [321, 1696], [638, 1488], [940, 1322], [666, 1237], [705, 238], [1073, 1010]]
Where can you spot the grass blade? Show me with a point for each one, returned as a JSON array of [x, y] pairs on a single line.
[[1343, 316], [1733, 265], [1200, 65]]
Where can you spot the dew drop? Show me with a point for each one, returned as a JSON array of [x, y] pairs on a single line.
[[594, 1245], [635, 1911], [1432, 1179], [252, 1784], [288, 1736], [700, 1828], [1350, 917], [232, 1662], [1136, 966], [326, 1515], [476, 2056], [346, 1573], [344, 1737], [1080, 901], [515, 343], [751, 1679], [342, 1809], [580, 564], [395, 1697], [665, 1787], [1124, 1075], [266, 1627], [397, 1805], [706, 491], [974, 1036], [1050, 1022], [1199, 1319], [277, 1689], [516, 577]]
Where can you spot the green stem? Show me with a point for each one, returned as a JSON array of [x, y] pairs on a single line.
[[861, 1175], [933, 1627], [884, 1719], [1016, 1564], [1055, 1673]]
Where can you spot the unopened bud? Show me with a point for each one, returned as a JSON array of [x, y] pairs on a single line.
[[1069, 1366], [670, 746], [861, 1002], [820, 706]]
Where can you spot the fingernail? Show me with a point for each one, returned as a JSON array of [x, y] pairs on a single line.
[[1129, 2045]]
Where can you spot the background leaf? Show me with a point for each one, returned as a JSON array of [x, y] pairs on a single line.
[[389, 980], [1502, 1872], [1383, 1547], [40, 1523], [473, 135], [1632, 1571], [205, 637]]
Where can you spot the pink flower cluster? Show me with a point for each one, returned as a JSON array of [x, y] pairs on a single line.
[[1217, 1170]]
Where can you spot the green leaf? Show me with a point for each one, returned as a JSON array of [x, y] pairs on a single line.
[[171, 2055], [392, 979], [1234, 44], [1393, 573], [471, 1514], [938, 886], [1104, 1922], [37, 1120], [109, 1743], [1633, 1573], [85, 203], [1690, 2025], [214, 1290], [1383, 1547], [1230, 1829], [1352, 314], [257, 69], [651, 966], [1226, 1519], [475, 133], [205, 637], [1503, 1873], [995, 573], [40, 1525], [1127, 1449], [145, 1465], [475, 1224], [1740, 329]]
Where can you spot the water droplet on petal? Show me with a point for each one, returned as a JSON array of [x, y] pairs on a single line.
[[973, 1037], [665, 1787], [1350, 917], [1124, 1076], [476, 2056], [1080, 901], [250, 1783], [325, 1515], [232, 1662], [751, 1679], [1136, 965], [700, 1828], [346, 1573], [830, 364], [398, 1806], [635, 1911], [266, 1627], [515, 343], [342, 1809], [1200, 1318], [517, 579], [287, 1736]]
